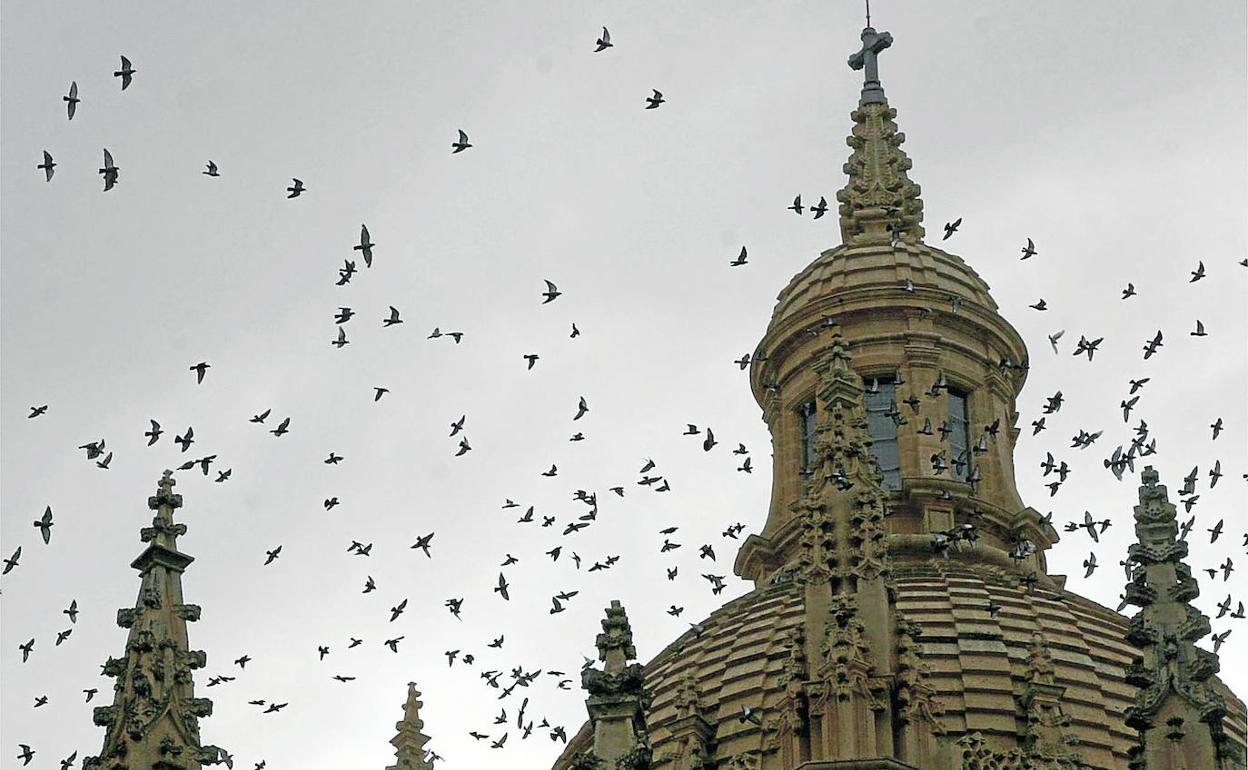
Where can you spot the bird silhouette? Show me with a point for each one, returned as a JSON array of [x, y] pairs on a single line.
[[71, 99], [126, 73], [603, 42], [110, 171], [423, 543], [365, 247], [44, 524], [47, 165], [11, 562], [397, 610]]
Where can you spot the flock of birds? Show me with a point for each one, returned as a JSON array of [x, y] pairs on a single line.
[[507, 679]]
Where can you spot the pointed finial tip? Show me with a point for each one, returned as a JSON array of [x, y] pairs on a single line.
[[164, 493]]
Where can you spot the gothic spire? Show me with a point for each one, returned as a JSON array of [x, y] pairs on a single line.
[[409, 742], [1178, 715], [154, 719], [617, 699], [879, 204]]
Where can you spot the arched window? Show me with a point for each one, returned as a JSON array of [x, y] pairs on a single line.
[[882, 418], [806, 424], [959, 424]]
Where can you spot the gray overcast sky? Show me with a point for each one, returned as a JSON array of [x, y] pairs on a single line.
[[1112, 133]]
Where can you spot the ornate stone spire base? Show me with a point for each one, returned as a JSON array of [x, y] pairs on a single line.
[[617, 701]]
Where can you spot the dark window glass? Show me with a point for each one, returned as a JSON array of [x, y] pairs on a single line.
[[959, 435], [881, 425], [806, 418]]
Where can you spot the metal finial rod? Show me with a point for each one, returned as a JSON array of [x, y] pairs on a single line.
[[868, 13]]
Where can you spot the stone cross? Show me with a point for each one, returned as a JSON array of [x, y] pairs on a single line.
[[872, 43]]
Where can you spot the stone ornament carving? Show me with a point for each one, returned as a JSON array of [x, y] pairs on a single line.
[[1045, 740], [978, 755], [627, 681], [816, 557], [587, 760], [688, 701], [916, 699], [869, 559], [793, 711], [746, 760], [1040, 668], [879, 199], [847, 664], [845, 467]]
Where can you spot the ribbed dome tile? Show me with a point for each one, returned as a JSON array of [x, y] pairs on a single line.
[[979, 663]]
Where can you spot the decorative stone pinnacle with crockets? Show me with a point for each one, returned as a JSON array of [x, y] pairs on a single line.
[[154, 718], [879, 204], [617, 700], [1171, 672], [615, 643]]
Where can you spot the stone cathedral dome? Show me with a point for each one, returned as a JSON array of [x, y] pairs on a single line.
[[903, 616]]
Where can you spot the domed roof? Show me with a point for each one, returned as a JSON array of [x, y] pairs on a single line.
[[838, 277], [978, 666]]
